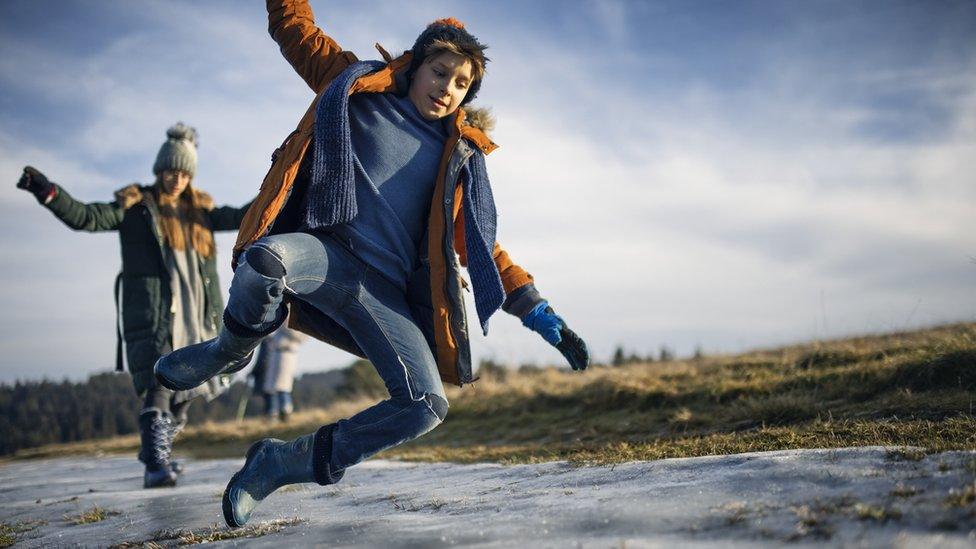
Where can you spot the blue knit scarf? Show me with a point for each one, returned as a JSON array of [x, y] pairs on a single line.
[[480, 223], [331, 196]]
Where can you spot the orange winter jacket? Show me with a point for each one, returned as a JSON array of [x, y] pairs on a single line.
[[318, 59]]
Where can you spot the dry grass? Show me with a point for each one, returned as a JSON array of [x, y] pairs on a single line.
[[95, 514], [811, 522], [906, 454], [10, 532], [911, 390], [962, 497], [905, 491], [210, 439], [210, 534], [877, 513]]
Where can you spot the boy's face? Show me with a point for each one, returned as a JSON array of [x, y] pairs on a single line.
[[440, 84]]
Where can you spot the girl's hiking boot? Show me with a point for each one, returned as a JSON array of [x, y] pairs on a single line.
[[154, 429]]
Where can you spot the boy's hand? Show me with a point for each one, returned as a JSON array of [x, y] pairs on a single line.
[[543, 320], [35, 182]]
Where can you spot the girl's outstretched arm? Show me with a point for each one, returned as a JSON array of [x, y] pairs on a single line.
[[315, 56], [97, 216], [227, 218]]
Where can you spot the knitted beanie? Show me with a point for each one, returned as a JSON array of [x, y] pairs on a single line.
[[179, 152], [449, 30]]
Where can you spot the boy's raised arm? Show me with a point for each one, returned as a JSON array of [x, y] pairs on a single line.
[[315, 56]]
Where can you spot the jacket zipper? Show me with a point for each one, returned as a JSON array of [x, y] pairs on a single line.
[[448, 215]]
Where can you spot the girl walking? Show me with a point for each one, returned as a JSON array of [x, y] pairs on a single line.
[[167, 294]]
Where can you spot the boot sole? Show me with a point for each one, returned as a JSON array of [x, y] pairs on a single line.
[[168, 383], [166, 483], [174, 386], [225, 501], [239, 365]]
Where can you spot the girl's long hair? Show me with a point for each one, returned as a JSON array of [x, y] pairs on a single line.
[[183, 219]]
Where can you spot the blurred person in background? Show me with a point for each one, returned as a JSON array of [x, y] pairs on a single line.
[[274, 372], [167, 293]]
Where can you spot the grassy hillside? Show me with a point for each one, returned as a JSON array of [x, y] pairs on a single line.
[[906, 389]]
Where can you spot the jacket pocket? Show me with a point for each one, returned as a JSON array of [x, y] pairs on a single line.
[[140, 307]]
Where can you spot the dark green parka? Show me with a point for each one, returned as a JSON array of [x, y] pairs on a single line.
[[143, 286]]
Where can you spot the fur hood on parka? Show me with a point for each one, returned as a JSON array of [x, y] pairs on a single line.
[[177, 230], [481, 118], [130, 195]]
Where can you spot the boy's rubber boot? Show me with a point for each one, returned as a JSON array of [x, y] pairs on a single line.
[[154, 426], [192, 365], [270, 464]]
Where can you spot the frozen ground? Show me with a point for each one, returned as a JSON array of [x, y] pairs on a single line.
[[845, 497]]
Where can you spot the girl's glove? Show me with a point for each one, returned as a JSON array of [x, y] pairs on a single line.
[[35, 182], [553, 328]]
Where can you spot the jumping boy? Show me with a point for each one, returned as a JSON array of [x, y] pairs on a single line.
[[362, 224]]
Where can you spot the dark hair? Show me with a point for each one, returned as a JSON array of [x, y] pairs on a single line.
[[450, 35]]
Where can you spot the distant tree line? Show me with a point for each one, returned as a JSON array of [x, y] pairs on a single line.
[[665, 354], [621, 357], [40, 412], [35, 413]]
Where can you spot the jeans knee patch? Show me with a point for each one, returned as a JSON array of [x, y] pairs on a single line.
[[438, 404], [264, 262]]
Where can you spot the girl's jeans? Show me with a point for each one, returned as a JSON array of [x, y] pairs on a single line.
[[318, 270]]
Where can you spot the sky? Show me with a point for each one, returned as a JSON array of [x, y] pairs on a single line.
[[694, 174]]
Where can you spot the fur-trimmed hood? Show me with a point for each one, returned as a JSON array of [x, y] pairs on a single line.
[[130, 195], [480, 118]]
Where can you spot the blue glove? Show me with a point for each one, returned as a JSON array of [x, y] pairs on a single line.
[[547, 323], [543, 320]]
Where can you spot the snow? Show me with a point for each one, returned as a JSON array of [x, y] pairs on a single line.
[[807, 497]]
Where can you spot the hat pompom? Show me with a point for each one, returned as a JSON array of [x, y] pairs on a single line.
[[450, 21], [182, 131], [179, 151]]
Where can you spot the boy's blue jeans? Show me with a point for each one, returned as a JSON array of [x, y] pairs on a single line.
[[315, 268]]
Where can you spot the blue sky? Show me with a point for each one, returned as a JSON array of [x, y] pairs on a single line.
[[730, 175]]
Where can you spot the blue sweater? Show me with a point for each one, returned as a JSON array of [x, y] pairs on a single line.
[[332, 197], [396, 153]]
